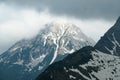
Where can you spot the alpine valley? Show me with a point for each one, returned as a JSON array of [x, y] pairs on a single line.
[[28, 58], [101, 62]]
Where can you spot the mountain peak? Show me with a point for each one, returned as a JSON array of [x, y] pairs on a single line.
[[53, 43], [55, 25]]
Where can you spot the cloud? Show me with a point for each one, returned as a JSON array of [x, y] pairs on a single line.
[[85, 9], [18, 23], [95, 28]]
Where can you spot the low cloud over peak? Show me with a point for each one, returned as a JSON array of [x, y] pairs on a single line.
[[18, 22], [85, 9]]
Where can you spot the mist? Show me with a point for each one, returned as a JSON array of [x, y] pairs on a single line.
[[17, 23]]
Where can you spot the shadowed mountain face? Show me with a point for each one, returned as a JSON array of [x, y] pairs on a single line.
[[84, 64], [110, 42], [28, 58]]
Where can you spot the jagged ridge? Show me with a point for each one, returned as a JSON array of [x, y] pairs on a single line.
[[110, 42]]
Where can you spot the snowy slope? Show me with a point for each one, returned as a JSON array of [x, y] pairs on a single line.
[[88, 64], [108, 66], [31, 57]]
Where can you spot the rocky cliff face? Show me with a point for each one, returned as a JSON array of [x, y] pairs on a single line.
[[110, 42], [28, 58]]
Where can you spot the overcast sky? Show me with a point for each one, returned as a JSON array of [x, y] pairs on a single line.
[[23, 18]]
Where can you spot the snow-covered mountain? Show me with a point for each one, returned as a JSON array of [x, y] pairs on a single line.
[[110, 42], [84, 64], [28, 58], [90, 63]]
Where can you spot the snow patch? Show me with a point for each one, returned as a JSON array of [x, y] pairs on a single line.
[[19, 62], [36, 61], [77, 71], [72, 77]]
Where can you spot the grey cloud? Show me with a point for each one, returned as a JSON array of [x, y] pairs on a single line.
[[107, 9]]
